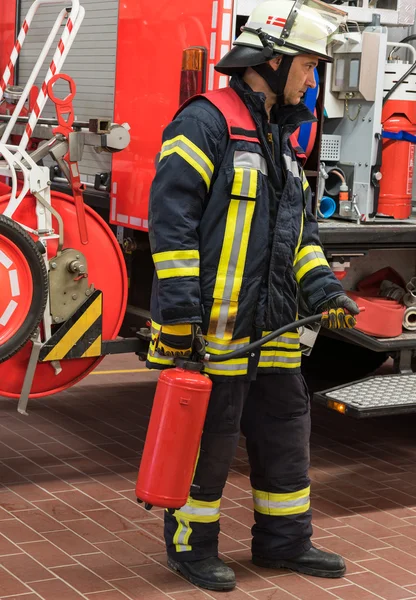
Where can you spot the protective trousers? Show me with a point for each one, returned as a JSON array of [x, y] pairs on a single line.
[[273, 413]]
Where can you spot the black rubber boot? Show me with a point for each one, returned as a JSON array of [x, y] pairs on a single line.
[[313, 562], [210, 573]]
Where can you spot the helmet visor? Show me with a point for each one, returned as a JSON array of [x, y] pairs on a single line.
[[325, 20]]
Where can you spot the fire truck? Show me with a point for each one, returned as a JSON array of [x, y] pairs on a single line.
[[86, 90]]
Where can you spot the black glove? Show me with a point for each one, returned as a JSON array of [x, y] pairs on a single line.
[[180, 340], [335, 316]]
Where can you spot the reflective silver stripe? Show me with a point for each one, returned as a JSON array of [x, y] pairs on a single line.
[[289, 504], [226, 366], [186, 263], [278, 358], [186, 148], [307, 258], [245, 186], [235, 250], [282, 340], [180, 539], [181, 536], [250, 160], [198, 511], [225, 347], [232, 266], [291, 165], [288, 340], [292, 503]]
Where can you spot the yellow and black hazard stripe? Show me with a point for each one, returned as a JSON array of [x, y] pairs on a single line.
[[80, 336]]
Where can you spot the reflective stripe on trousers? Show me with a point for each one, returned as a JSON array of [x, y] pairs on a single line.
[[294, 503], [194, 511]]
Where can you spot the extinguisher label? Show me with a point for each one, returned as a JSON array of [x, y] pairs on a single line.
[[410, 169]]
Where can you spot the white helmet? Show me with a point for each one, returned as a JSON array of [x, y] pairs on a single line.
[[285, 27]]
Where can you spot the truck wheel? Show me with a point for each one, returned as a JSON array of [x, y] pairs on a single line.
[[23, 285], [334, 361]]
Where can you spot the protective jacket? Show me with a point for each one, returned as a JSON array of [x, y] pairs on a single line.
[[231, 234]]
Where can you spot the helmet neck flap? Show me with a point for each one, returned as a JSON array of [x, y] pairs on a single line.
[[276, 79]]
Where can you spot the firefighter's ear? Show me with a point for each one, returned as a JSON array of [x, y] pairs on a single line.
[[275, 62]]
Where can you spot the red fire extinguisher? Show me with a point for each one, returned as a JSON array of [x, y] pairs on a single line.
[[399, 131], [175, 428]]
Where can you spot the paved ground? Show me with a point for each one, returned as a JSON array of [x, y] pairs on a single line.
[[70, 527]]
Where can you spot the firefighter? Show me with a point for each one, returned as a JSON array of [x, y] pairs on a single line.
[[234, 246]]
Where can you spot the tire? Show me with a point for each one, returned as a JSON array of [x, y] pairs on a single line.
[[334, 361], [34, 264]]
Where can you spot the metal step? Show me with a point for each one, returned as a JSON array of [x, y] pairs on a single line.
[[405, 341], [379, 395]]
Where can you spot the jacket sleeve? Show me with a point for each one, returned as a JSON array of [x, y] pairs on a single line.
[[179, 190], [313, 274]]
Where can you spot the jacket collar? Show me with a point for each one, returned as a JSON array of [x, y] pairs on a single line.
[[288, 117]]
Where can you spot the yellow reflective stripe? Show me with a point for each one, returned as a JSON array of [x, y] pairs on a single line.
[[226, 249], [289, 334], [217, 371], [237, 366], [252, 192], [305, 183], [203, 503], [312, 264], [289, 340], [280, 358], [308, 250], [285, 497], [181, 537], [309, 258], [217, 346], [176, 263], [194, 511], [283, 365], [238, 181], [239, 269], [186, 537], [198, 511], [268, 503], [300, 236], [245, 182], [175, 255], [198, 518], [231, 268], [287, 345], [182, 272], [193, 155]]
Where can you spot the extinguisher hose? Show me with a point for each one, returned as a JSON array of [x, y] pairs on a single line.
[[267, 338]]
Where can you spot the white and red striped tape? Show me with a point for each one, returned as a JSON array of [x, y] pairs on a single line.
[[54, 67], [221, 36], [15, 53], [72, 25]]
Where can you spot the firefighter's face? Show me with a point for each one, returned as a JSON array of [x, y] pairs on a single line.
[[300, 78]]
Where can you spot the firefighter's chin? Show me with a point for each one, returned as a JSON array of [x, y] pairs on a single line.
[[294, 99]]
